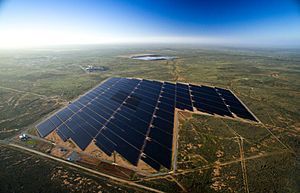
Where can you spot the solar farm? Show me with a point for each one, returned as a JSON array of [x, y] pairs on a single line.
[[136, 118], [158, 129]]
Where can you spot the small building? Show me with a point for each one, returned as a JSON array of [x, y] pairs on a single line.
[[91, 68]]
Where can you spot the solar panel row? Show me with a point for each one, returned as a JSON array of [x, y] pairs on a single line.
[[235, 105], [136, 117]]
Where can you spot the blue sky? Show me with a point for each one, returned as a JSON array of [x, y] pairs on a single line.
[[255, 22]]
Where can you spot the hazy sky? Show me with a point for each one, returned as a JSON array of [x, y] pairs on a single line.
[[25, 23]]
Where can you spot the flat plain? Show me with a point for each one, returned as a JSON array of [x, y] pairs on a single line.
[[214, 155]]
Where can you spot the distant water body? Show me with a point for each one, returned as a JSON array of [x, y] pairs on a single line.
[[153, 57]]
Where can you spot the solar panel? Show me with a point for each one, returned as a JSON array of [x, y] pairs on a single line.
[[159, 153], [235, 105], [45, 128], [61, 135], [165, 115], [55, 120], [136, 117], [183, 97], [162, 137], [65, 131], [64, 114], [154, 164]]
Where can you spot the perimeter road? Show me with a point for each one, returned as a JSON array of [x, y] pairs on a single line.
[[86, 169]]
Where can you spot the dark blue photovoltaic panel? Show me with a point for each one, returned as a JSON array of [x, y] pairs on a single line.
[[55, 120], [102, 88], [183, 97], [61, 135], [124, 148], [180, 86], [78, 104], [152, 83], [65, 131], [169, 113], [171, 92], [87, 112], [151, 162], [182, 92], [103, 107], [205, 92], [164, 115], [217, 104], [80, 137], [206, 99], [184, 104], [168, 95], [159, 153], [110, 81], [167, 101], [109, 104], [99, 111], [122, 89], [136, 117], [45, 128], [240, 111], [166, 107], [163, 125], [243, 114], [217, 101], [146, 100], [72, 125], [235, 105], [133, 118], [89, 129], [170, 86], [120, 96], [154, 90], [132, 136], [186, 101], [224, 92], [143, 93], [206, 96], [143, 115], [133, 102], [123, 86], [126, 85], [203, 89], [164, 138], [149, 102], [64, 114], [211, 106], [94, 123], [211, 109], [133, 121], [110, 136], [146, 106], [85, 99], [105, 144]]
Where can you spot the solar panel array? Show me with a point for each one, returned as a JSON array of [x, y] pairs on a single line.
[[135, 117]]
